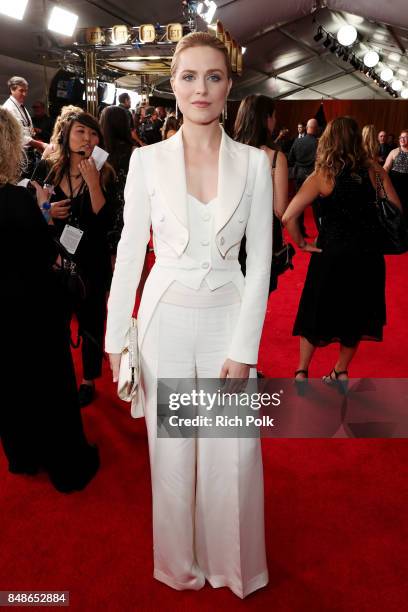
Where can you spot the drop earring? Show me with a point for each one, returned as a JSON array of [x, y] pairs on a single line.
[[225, 113], [176, 109]]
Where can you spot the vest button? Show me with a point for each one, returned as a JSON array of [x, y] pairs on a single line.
[[205, 265], [162, 217], [206, 217], [222, 240], [241, 220], [205, 242]]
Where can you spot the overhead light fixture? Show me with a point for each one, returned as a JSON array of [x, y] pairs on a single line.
[[396, 85], [371, 59], [347, 35], [328, 41], [387, 74], [404, 93], [62, 21], [394, 57], [206, 10], [319, 35], [13, 8], [243, 49]]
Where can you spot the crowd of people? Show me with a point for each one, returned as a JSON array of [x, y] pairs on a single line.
[[216, 206]]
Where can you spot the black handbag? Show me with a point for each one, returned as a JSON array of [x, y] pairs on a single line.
[[282, 259], [391, 226]]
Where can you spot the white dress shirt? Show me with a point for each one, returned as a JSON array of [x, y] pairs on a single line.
[[23, 117]]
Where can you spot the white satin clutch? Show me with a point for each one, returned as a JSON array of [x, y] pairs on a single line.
[[129, 367]]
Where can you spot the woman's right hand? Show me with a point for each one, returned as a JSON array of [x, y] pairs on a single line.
[[114, 360], [60, 210]]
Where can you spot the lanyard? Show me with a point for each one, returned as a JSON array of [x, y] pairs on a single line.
[[74, 218], [23, 113]]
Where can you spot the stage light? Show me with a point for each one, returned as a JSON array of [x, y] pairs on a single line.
[[347, 35], [319, 35], [387, 74], [62, 21], [328, 41], [396, 85], [206, 10], [404, 93], [371, 59], [14, 9]]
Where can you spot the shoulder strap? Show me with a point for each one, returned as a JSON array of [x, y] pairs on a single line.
[[275, 157]]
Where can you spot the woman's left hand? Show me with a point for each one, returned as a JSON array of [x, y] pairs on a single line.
[[234, 370], [89, 172]]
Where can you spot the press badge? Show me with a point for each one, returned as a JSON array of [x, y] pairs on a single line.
[[70, 238]]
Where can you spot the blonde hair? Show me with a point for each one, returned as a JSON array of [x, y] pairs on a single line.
[[370, 141], [341, 147], [12, 157], [200, 39]]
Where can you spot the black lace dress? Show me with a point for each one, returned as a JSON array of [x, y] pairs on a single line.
[[399, 178], [343, 299]]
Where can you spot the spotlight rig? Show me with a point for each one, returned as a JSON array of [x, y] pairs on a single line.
[[343, 46]]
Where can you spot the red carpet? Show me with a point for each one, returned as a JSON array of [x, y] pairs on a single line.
[[336, 523]]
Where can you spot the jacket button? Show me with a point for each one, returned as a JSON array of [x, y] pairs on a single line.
[[222, 240], [205, 265], [206, 217], [205, 242]]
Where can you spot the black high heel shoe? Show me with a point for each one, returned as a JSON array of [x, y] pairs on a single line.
[[341, 385], [301, 383]]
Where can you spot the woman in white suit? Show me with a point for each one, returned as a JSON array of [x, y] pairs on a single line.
[[199, 317]]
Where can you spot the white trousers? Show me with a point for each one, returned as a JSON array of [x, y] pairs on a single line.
[[208, 501]]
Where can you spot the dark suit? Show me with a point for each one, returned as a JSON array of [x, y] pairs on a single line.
[[303, 156], [383, 151]]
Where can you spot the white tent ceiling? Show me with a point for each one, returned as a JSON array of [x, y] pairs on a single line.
[[282, 58]]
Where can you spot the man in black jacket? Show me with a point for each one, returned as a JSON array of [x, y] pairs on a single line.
[[303, 156], [384, 148]]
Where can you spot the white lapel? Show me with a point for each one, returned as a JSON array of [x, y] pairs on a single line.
[[232, 175], [171, 175]]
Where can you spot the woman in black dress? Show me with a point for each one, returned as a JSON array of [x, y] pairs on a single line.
[[254, 125], [396, 165], [119, 144], [86, 199], [40, 419], [343, 299]]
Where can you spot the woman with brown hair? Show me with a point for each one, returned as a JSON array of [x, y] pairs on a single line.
[[254, 125], [119, 144], [85, 199], [53, 149], [40, 419], [343, 299]]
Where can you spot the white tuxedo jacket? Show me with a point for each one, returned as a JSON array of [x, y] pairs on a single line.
[[156, 194]]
